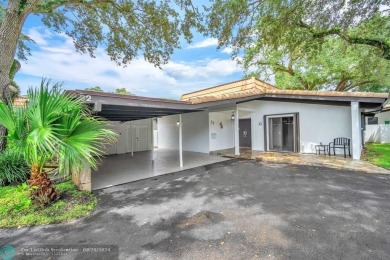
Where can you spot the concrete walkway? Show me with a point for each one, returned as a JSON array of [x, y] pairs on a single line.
[[335, 162]]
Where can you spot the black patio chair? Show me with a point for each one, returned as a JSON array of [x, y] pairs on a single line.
[[341, 142]]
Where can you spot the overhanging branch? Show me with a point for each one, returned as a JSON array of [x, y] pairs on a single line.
[[382, 45]]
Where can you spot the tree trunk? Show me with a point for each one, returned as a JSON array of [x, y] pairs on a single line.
[[42, 189], [10, 30], [341, 85]]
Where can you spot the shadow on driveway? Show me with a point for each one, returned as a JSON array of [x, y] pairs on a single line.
[[235, 210]]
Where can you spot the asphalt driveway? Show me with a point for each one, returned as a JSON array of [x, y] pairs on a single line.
[[234, 210]]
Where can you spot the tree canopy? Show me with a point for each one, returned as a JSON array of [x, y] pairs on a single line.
[[123, 91], [324, 44], [96, 88], [126, 29]]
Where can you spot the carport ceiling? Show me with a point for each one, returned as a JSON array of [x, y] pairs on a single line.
[[115, 107], [128, 113]]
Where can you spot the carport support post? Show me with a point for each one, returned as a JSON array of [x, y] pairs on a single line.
[[132, 140], [236, 133], [180, 142], [356, 131]]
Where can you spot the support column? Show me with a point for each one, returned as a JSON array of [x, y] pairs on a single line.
[[236, 133], [180, 141], [152, 121], [132, 140], [356, 145]]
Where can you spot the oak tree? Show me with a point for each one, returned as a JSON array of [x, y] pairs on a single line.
[[125, 28], [323, 44]]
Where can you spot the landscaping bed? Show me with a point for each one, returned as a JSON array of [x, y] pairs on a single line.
[[377, 154], [17, 210]]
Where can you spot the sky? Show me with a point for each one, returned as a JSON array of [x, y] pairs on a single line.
[[195, 66]]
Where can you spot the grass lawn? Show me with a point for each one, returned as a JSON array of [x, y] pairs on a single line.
[[378, 154], [16, 210]]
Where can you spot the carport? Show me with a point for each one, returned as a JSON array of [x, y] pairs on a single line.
[[129, 163]]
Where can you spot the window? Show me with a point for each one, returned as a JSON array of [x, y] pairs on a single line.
[[372, 121]]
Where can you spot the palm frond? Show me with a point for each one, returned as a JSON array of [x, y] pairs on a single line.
[[54, 124], [7, 117], [84, 143]]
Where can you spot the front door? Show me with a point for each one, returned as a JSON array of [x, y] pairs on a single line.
[[282, 133], [245, 132], [140, 138]]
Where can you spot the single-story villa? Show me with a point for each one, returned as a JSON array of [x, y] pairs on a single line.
[[244, 113]]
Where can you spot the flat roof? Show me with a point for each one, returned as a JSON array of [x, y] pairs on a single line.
[[119, 107], [254, 87]]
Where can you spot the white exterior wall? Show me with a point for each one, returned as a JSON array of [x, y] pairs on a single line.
[[168, 132], [221, 138], [377, 134], [195, 132], [317, 123], [382, 117], [126, 136]]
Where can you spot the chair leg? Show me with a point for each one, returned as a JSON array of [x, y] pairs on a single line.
[[349, 151], [334, 151], [345, 152]]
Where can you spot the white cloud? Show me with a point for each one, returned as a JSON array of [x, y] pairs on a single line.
[[204, 44], [60, 62], [227, 50], [203, 68], [39, 36]]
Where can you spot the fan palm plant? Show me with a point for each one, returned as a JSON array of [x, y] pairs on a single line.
[[54, 125]]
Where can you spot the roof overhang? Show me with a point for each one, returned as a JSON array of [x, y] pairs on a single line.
[[117, 107], [365, 102]]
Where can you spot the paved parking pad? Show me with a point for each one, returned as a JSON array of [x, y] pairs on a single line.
[[235, 210]]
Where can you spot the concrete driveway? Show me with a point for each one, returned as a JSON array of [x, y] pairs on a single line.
[[234, 210]]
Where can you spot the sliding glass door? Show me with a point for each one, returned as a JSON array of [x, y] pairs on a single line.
[[282, 133]]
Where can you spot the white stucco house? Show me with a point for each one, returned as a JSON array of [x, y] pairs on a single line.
[[269, 119], [245, 113]]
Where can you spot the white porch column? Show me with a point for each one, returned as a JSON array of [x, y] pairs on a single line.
[[236, 133], [152, 142], [132, 139], [180, 141], [356, 130]]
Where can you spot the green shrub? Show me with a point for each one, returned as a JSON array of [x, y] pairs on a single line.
[[13, 168]]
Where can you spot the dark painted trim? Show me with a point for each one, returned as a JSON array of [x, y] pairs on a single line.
[[318, 102], [367, 102], [116, 106]]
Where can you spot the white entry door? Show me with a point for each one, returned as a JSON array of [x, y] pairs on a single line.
[[140, 138], [122, 139]]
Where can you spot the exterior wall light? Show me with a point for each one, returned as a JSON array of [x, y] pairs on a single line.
[[232, 117], [178, 123]]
